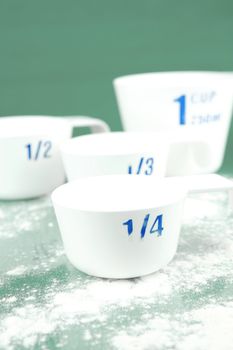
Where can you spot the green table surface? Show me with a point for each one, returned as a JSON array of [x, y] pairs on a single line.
[[45, 303]]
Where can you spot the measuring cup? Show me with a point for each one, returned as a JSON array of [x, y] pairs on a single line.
[[200, 101], [115, 153], [143, 153], [122, 226], [119, 226], [30, 158]]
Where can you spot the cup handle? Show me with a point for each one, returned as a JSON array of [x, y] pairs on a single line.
[[197, 154], [96, 125], [203, 183]]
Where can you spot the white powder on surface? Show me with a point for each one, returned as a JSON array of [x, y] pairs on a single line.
[[187, 305], [22, 217], [93, 301], [9, 300], [19, 270], [206, 328], [2, 214]]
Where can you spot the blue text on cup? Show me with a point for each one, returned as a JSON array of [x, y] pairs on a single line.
[[145, 166], [40, 150], [156, 225], [195, 99]]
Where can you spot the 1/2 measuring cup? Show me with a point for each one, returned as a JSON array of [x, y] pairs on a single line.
[[30, 157], [199, 101], [119, 226], [141, 153]]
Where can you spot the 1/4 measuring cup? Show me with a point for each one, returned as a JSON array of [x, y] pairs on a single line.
[[30, 157], [200, 101], [122, 226], [119, 226]]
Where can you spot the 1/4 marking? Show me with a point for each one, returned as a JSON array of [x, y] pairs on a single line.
[[157, 226]]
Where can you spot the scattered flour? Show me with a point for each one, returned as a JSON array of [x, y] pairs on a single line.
[[22, 217], [187, 305], [206, 328], [19, 270]]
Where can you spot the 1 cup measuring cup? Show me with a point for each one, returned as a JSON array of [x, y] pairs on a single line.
[[119, 226], [200, 101], [141, 153], [30, 157]]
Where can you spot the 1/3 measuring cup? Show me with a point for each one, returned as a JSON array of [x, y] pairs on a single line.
[[200, 101], [30, 157], [143, 153], [115, 153]]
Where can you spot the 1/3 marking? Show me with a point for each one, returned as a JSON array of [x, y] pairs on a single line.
[[157, 226], [145, 166], [41, 150]]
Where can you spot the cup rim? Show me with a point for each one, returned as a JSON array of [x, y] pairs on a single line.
[[76, 195], [30, 125], [117, 143], [168, 79], [148, 142]]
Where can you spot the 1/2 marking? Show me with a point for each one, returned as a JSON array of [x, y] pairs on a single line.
[[41, 150]]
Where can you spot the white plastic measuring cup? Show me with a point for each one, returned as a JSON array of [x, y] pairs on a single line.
[[30, 157], [198, 101], [124, 226], [113, 153], [119, 226]]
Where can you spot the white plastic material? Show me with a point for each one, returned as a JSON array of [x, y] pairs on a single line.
[[143, 153], [200, 102], [30, 157], [115, 153], [204, 183], [93, 213]]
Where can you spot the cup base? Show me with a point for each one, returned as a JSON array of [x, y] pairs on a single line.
[[122, 275]]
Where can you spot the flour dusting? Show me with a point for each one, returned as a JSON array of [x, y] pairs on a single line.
[[206, 328], [19, 270], [186, 305]]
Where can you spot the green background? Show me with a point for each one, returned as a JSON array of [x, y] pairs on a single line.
[[60, 57]]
